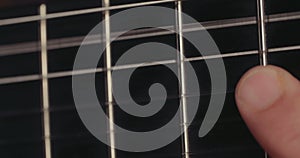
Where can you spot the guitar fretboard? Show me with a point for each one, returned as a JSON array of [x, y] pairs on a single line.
[[39, 42]]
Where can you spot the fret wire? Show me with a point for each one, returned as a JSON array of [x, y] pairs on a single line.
[[94, 39], [78, 12], [45, 88], [68, 107], [19, 20], [53, 75], [280, 49], [18, 79], [283, 17], [108, 73], [227, 55], [29, 47], [105, 8], [181, 72]]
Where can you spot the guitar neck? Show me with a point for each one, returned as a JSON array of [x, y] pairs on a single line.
[[38, 48]]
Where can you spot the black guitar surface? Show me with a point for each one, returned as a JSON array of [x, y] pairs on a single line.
[[21, 110]]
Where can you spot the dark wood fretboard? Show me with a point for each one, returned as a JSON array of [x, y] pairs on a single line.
[[38, 121]]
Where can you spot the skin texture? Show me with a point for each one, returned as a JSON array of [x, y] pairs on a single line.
[[268, 99]]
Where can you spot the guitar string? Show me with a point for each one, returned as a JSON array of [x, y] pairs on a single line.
[[53, 44], [262, 34], [182, 82], [45, 86], [108, 79], [262, 38]]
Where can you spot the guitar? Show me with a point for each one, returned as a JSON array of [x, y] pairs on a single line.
[[39, 44]]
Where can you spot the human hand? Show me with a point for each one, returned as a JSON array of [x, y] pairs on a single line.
[[268, 99]]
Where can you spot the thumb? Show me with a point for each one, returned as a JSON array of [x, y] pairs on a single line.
[[268, 99]]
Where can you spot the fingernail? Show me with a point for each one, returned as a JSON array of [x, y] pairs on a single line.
[[260, 88]]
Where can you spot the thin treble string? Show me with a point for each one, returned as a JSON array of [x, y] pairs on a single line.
[[262, 35], [45, 84]]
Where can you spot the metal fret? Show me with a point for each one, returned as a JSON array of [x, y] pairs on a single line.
[[20, 20], [29, 47], [77, 12], [35, 77], [283, 17], [280, 49], [44, 62]]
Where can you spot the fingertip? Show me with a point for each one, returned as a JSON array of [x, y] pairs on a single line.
[[268, 100], [259, 88]]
